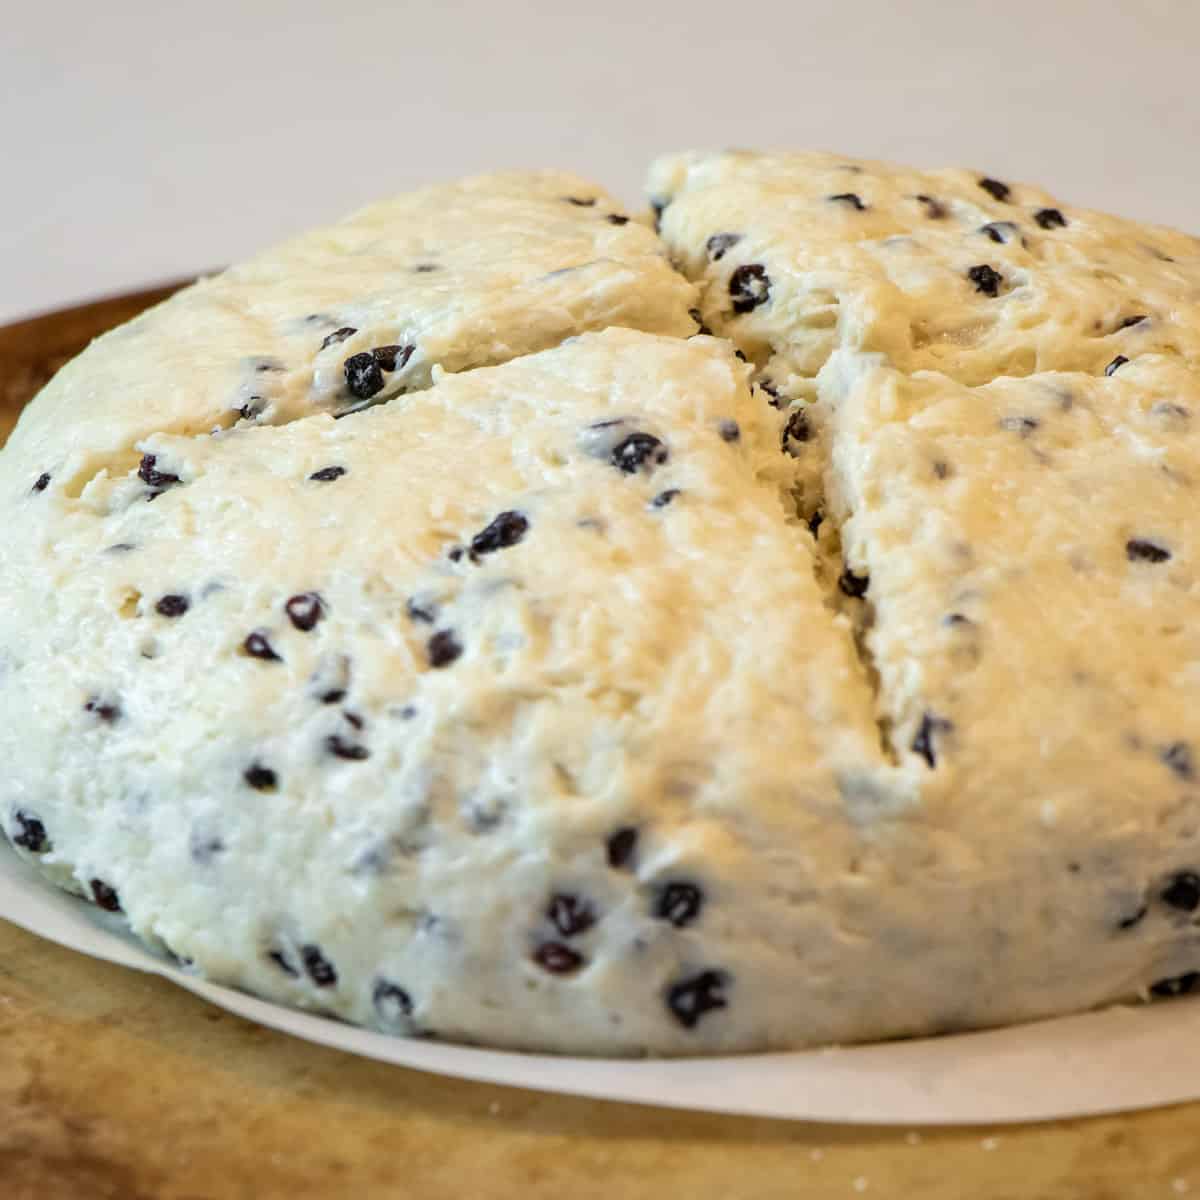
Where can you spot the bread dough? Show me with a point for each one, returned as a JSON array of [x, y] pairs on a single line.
[[457, 276], [999, 395], [518, 704], [944, 271]]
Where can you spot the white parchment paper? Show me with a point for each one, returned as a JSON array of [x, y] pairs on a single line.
[[1119, 1059]]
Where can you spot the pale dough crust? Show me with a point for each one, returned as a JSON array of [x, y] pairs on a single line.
[[477, 673]]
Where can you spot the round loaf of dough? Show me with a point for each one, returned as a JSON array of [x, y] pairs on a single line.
[[490, 619]]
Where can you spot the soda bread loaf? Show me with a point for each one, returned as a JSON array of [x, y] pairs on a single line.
[[487, 619]]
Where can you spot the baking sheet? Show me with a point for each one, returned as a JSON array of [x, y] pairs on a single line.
[[1119, 1059]]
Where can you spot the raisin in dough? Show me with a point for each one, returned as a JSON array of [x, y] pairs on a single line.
[[521, 706], [1000, 396]]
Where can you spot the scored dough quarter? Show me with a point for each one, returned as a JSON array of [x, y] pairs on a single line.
[[422, 623]]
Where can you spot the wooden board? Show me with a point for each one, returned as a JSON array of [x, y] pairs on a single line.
[[119, 1086]]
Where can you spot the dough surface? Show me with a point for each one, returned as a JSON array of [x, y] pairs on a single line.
[[525, 668]]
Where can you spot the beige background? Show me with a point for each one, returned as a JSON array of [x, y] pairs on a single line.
[[144, 140]]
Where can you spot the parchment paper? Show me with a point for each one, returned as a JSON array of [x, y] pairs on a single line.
[[1119, 1059]]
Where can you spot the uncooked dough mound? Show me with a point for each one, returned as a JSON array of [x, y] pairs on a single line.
[[490, 620]]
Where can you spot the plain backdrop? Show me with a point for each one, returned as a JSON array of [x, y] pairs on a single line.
[[143, 140]]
